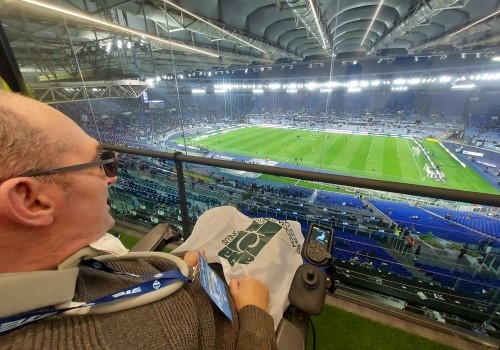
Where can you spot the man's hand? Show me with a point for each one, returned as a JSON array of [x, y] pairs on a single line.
[[249, 291], [191, 257]]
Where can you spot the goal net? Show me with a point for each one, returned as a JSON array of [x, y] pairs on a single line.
[[415, 151]]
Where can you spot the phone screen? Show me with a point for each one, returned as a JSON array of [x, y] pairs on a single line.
[[321, 235]]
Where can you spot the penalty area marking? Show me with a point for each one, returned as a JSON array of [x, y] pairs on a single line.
[[416, 164]]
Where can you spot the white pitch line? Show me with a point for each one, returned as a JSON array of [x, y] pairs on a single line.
[[416, 164], [370, 150]]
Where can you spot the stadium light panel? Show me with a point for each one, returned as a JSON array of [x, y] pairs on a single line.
[[444, 79], [198, 91], [353, 89], [274, 86], [364, 83], [375, 83], [311, 86], [496, 59], [258, 91], [116, 26], [464, 86], [325, 90], [291, 91]]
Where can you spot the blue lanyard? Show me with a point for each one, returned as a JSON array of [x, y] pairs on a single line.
[[158, 281]]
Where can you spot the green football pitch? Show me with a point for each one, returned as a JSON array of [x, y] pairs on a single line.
[[376, 157]]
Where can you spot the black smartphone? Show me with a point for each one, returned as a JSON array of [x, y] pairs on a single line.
[[318, 245]]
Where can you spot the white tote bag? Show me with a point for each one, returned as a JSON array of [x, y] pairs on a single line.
[[265, 248]]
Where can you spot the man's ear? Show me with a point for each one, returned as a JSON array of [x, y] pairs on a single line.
[[27, 201]]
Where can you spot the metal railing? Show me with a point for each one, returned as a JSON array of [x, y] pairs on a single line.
[[416, 190]]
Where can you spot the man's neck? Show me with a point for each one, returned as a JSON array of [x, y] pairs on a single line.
[[27, 251]]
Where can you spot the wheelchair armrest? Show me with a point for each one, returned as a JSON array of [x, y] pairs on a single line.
[[157, 239], [289, 336]]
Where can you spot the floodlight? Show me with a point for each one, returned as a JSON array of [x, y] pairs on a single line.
[[353, 89], [464, 86], [311, 86]]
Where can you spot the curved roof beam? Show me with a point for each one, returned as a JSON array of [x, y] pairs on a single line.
[[401, 7], [422, 14], [194, 23], [295, 43], [387, 15], [305, 47], [258, 20], [313, 51], [274, 30], [378, 27], [285, 38]]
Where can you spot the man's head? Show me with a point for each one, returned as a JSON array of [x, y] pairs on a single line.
[[45, 219]]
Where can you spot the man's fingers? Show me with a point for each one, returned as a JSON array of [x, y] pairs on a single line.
[[233, 286]]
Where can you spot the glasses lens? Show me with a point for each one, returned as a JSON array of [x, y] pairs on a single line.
[[111, 169]]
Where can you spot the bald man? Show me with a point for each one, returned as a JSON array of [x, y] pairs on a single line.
[[54, 217]]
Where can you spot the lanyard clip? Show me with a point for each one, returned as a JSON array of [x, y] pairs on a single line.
[[193, 271]]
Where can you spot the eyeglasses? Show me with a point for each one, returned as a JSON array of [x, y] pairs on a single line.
[[108, 162]]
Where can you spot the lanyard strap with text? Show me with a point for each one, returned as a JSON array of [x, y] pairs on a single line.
[[160, 280]]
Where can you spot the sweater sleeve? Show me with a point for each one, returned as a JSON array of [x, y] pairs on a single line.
[[256, 330]]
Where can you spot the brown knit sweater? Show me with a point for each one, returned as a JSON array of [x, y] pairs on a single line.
[[187, 319]]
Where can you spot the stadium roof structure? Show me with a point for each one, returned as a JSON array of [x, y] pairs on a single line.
[[116, 39]]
